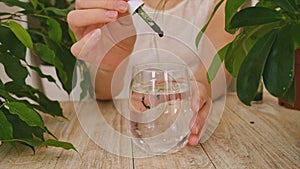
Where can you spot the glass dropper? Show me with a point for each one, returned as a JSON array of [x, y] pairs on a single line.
[[149, 21], [136, 6]]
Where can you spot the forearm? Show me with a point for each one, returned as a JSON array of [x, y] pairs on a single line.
[[103, 83], [111, 71]]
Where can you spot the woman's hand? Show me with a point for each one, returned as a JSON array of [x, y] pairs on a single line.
[[94, 14], [108, 27], [202, 104]]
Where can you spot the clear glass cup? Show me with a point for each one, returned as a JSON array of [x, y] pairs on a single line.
[[160, 107]]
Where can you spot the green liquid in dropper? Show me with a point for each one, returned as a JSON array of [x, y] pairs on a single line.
[[150, 21]]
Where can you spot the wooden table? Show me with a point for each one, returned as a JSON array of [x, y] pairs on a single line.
[[264, 136]]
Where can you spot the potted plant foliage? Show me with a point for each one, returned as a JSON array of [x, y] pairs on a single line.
[[49, 38], [264, 49]]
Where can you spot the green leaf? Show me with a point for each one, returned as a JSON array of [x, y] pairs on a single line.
[[231, 9], [287, 5], [255, 16], [241, 46], [44, 104], [236, 52], [11, 43], [250, 73], [34, 3], [11, 64], [69, 62], [61, 144], [6, 130], [49, 56], [21, 34], [4, 94], [54, 30], [279, 69], [72, 36], [21, 129], [63, 4], [17, 3], [59, 12], [41, 74], [200, 34], [30, 141], [296, 34], [49, 106], [289, 96], [216, 63], [266, 4], [85, 83], [26, 114], [49, 142]]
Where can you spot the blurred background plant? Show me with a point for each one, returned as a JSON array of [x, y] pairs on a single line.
[[267, 38], [47, 37]]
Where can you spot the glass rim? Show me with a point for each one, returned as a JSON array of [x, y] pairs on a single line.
[[166, 67]]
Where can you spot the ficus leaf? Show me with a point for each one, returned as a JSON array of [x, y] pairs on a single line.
[[6, 130], [21, 101], [49, 106], [61, 144], [34, 3], [21, 34], [18, 3], [4, 93], [69, 62], [44, 104], [72, 36], [11, 64], [54, 30], [10, 43], [41, 74], [30, 141], [49, 56], [250, 73], [22, 130], [60, 12], [50, 142], [25, 113], [278, 74], [255, 16], [85, 83]]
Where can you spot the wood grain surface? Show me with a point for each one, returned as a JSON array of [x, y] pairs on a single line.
[[263, 136]]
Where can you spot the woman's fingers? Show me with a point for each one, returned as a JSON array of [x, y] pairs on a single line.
[[77, 47], [91, 17], [94, 13], [199, 122], [201, 103], [118, 36], [118, 5]]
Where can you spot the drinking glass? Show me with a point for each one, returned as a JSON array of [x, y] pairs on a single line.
[[160, 107]]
